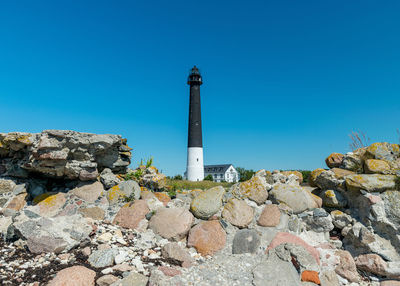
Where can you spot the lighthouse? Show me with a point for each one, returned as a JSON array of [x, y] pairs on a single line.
[[194, 167]]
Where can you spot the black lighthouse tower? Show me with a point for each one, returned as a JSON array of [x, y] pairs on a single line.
[[195, 168]]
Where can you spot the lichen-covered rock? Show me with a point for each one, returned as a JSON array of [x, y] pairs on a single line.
[[341, 173], [238, 213], [353, 161], [62, 154], [371, 182], [333, 199], [207, 203], [296, 173], [125, 189], [334, 160], [108, 179], [255, 189], [382, 151], [313, 176], [6, 186], [296, 197], [327, 180], [49, 204], [340, 219], [374, 166]]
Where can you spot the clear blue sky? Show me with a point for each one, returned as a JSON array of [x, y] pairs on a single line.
[[285, 82]]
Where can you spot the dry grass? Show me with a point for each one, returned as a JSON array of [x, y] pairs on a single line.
[[358, 140], [189, 185]]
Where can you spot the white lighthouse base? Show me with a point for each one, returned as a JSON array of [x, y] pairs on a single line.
[[195, 167]]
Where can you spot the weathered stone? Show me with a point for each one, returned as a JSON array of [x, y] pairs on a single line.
[[390, 283], [270, 216], [163, 197], [284, 237], [103, 258], [295, 197], [313, 176], [353, 161], [63, 154], [374, 166], [329, 278], [207, 237], [245, 241], [70, 229], [171, 223], [49, 204], [360, 240], [131, 214], [108, 179], [106, 280], [152, 179], [124, 190], [74, 276], [333, 199], [255, 189], [296, 173], [334, 160], [238, 213], [341, 173], [327, 180], [347, 267], [382, 151], [392, 207], [266, 272], [371, 182], [340, 219], [6, 186], [173, 251], [207, 203], [371, 263], [17, 203], [88, 191], [133, 279], [44, 244], [320, 221], [95, 213]]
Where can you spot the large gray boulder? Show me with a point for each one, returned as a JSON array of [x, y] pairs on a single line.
[[51, 234], [62, 154]]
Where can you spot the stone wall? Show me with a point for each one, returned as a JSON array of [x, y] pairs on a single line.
[[62, 154]]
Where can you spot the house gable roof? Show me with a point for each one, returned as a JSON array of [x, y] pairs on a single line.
[[216, 168]]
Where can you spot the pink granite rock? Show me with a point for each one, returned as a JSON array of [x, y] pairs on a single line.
[[207, 237], [270, 216], [74, 276], [284, 237], [131, 214]]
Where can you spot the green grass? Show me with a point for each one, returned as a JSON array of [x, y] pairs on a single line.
[[188, 185]]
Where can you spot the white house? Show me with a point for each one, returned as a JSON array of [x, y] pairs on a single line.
[[221, 173]]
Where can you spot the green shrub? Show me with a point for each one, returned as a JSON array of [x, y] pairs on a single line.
[[208, 178]]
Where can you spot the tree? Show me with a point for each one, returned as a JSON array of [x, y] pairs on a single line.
[[208, 178], [177, 177], [245, 174]]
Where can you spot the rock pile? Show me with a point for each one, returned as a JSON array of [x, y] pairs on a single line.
[[124, 229]]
